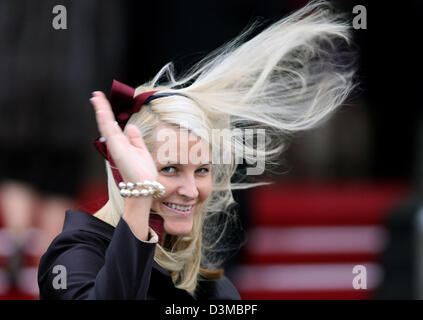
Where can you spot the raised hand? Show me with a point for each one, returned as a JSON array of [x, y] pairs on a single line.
[[129, 153]]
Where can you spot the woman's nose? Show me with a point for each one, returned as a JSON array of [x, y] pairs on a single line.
[[188, 188]]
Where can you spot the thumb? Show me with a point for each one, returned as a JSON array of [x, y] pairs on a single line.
[[135, 137]]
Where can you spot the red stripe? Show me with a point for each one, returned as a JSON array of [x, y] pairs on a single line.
[[324, 204]]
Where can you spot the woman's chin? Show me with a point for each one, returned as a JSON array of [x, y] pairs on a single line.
[[177, 226]]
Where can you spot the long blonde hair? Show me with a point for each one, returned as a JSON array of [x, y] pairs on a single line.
[[289, 77]]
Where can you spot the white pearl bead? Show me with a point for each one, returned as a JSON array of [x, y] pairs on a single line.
[[136, 193], [125, 192], [147, 183], [122, 185], [130, 185], [144, 192]]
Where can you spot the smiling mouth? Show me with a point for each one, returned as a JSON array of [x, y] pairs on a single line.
[[182, 210]]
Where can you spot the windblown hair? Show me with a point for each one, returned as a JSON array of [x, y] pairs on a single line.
[[289, 77]]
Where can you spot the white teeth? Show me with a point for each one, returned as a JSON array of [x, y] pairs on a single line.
[[177, 207]]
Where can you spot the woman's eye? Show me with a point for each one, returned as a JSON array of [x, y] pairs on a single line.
[[173, 170], [166, 170], [205, 170]]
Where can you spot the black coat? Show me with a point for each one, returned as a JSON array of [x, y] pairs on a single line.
[[103, 262]]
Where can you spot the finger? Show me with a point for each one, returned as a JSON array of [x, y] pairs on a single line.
[[108, 127], [102, 104], [105, 118], [135, 136]]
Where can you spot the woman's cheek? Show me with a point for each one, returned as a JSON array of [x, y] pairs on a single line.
[[165, 183], [206, 189]]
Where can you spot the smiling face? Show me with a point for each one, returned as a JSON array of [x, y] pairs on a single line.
[[188, 182]]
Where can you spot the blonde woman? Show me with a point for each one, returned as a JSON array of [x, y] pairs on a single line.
[[161, 236]]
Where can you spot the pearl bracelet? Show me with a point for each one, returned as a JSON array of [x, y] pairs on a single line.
[[153, 188]]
